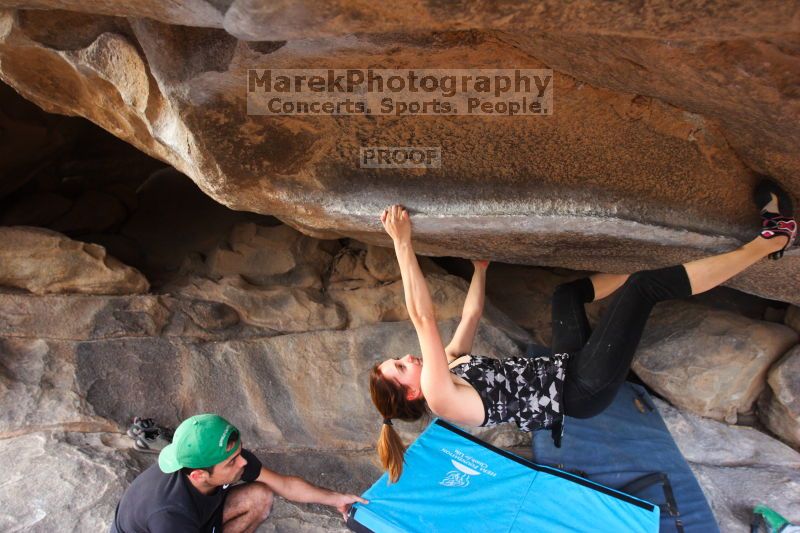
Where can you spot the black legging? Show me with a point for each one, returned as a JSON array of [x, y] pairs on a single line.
[[600, 360]]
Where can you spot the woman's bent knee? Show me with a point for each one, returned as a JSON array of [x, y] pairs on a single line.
[[580, 289]]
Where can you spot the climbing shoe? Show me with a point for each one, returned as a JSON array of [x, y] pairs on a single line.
[[776, 217], [148, 436], [142, 426], [151, 443]]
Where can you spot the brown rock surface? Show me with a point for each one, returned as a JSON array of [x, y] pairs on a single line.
[[779, 407], [271, 255], [84, 473], [44, 261], [709, 362], [284, 309], [38, 389], [662, 116], [737, 467], [792, 318], [90, 317]]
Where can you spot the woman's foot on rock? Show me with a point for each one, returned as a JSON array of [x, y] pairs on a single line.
[[777, 212]]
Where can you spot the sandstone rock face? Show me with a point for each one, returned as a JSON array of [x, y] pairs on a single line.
[[254, 332], [270, 256], [45, 473], [43, 261], [303, 390], [281, 309], [779, 407], [663, 115], [39, 390], [712, 363], [737, 467]]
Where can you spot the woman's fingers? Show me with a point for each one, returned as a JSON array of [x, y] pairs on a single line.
[[394, 214]]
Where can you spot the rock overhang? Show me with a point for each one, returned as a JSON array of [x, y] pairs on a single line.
[[662, 120]]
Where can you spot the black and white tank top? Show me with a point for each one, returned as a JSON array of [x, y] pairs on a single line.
[[526, 391]]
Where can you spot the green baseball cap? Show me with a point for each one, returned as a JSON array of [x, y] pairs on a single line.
[[199, 442]]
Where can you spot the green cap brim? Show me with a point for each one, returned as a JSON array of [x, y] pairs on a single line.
[[168, 459]]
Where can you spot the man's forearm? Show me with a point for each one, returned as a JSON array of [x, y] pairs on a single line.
[[299, 490]]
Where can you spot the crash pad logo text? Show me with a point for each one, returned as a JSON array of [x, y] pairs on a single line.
[[466, 467]]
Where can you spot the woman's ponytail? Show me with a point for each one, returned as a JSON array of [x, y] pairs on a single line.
[[391, 402], [391, 450]]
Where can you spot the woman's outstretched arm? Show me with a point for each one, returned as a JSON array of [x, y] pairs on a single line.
[[437, 385], [471, 315]]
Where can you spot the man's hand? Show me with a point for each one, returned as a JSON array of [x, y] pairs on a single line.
[[397, 223], [480, 264], [342, 502]]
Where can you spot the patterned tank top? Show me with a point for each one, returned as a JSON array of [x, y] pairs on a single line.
[[526, 391]]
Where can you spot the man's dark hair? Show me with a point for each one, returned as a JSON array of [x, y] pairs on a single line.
[[232, 439]]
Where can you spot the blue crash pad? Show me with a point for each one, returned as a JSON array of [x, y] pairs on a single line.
[[622, 444], [454, 482]]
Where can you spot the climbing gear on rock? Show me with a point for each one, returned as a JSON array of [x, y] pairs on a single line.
[[142, 426], [152, 443], [148, 436]]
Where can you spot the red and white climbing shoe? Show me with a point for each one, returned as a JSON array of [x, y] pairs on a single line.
[[776, 220], [776, 226]]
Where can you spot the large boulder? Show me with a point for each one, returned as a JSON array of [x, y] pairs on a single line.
[[737, 467], [710, 362], [779, 407], [44, 261], [648, 159]]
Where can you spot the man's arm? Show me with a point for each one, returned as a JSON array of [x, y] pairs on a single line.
[[471, 315], [299, 490]]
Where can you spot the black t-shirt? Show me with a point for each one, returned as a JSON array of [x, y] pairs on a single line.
[[168, 503]]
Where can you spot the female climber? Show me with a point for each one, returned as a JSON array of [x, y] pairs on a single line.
[[586, 368]]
